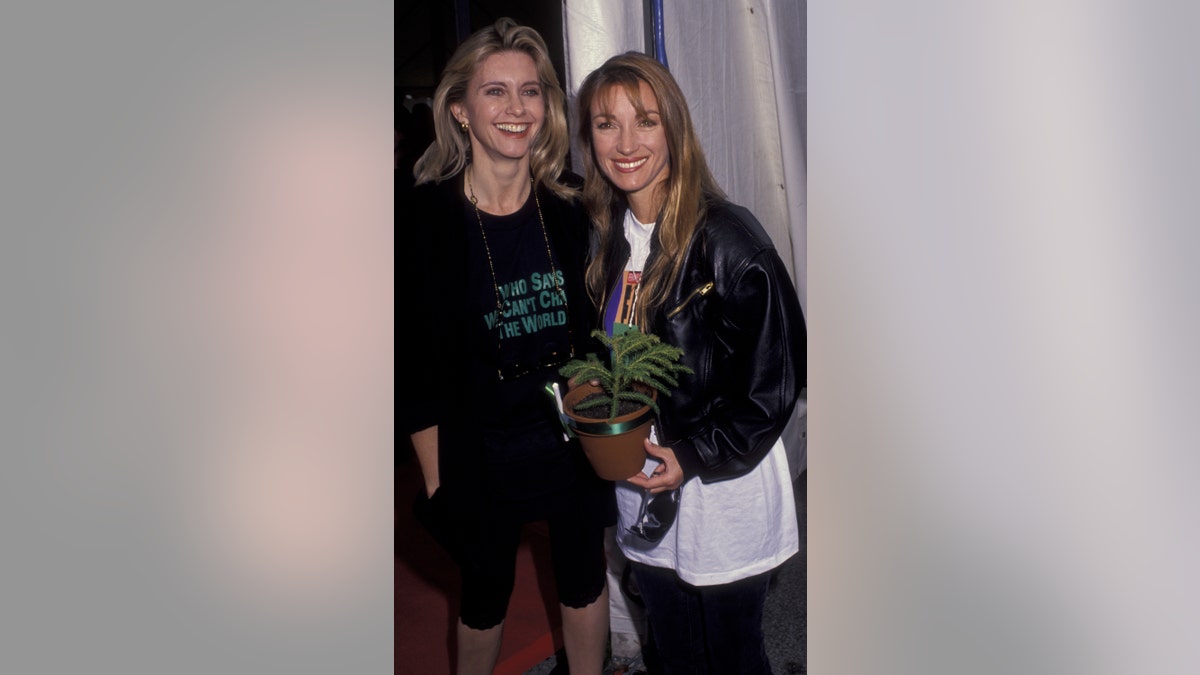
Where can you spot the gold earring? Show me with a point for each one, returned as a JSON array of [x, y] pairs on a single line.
[[464, 126]]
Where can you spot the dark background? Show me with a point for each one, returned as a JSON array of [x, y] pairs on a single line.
[[429, 32]]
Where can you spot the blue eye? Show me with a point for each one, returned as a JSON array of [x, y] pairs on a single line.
[[533, 92]]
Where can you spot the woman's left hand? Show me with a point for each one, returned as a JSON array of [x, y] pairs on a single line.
[[668, 475], [572, 383]]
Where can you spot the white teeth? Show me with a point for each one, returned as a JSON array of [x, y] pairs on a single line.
[[632, 165], [513, 128]]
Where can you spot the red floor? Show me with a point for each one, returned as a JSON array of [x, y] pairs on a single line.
[[427, 596]]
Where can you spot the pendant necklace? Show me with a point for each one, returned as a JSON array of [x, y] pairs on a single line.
[[503, 305]]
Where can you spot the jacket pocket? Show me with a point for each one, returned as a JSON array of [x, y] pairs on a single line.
[[697, 292]]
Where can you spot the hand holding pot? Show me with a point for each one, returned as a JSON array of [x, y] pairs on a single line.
[[668, 475], [573, 382]]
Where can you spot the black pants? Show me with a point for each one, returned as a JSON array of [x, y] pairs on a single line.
[[488, 573], [705, 629]]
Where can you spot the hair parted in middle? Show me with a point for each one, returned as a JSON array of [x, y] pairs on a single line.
[[447, 156], [681, 199]]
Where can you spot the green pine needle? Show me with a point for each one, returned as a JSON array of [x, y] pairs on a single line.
[[634, 357]]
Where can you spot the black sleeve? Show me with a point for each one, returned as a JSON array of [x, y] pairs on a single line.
[[762, 319], [418, 409]]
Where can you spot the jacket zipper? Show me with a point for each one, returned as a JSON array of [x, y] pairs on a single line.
[[701, 291]]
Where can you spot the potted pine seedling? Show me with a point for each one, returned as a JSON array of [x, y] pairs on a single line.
[[613, 419]]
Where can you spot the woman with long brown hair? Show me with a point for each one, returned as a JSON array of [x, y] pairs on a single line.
[[672, 257]]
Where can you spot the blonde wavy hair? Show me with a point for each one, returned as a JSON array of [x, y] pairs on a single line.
[[683, 197], [449, 153]]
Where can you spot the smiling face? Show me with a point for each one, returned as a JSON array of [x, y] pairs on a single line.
[[504, 106], [630, 146]]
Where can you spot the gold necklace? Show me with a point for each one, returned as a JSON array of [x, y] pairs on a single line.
[[502, 304]]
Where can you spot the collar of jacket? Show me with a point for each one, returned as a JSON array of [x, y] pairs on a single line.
[[619, 252]]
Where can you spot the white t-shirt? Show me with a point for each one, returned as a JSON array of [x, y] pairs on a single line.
[[638, 235], [724, 531]]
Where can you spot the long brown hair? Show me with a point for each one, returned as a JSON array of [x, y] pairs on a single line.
[[447, 156], [683, 197]]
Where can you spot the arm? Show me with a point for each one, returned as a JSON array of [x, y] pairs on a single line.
[[755, 389], [418, 404], [425, 442]]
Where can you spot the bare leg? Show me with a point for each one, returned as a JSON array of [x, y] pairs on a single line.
[[585, 635], [478, 649]]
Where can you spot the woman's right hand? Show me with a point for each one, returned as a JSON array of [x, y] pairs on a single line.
[[667, 476]]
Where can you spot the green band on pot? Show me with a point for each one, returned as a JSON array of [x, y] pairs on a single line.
[[605, 428]]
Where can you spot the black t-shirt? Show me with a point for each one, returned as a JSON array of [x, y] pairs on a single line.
[[520, 350]]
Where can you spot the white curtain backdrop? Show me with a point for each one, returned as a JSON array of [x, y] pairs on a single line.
[[741, 66], [594, 31]]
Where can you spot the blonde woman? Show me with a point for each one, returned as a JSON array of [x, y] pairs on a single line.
[[495, 298], [672, 257]]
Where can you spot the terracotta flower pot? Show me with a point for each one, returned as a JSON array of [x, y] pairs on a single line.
[[614, 448]]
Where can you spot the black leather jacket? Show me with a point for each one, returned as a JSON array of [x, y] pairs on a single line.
[[735, 313]]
